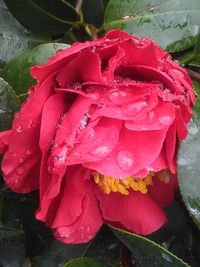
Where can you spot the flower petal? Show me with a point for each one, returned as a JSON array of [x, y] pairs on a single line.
[[86, 66], [137, 212], [135, 151], [163, 192], [54, 107]]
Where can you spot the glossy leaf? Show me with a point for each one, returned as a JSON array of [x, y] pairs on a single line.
[[189, 169], [17, 71], [51, 17], [14, 38], [146, 252], [173, 23], [84, 262], [9, 103], [56, 253], [93, 12]]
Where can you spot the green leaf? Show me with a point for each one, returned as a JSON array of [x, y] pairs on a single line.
[[84, 262], [93, 12], [146, 252], [6, 232], [9, 103], [56, 253], [189, 169], [51, 17], [14, 38], [173, 24], [17, 73]]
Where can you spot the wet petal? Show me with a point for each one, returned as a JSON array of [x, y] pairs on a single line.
[[137, 212], [135, 151]]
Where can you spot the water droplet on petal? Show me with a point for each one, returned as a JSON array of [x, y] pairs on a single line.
[[84, 122], [28, 152], [19, 129], [16, 116], [88, 229], [100, 151], [165, 120], [125, 160], [20, 170], [135, 107], [30, 123], [14, 154], [21, 160]]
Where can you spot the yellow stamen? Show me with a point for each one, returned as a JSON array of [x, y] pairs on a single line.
[[164, 176], [124, 185]]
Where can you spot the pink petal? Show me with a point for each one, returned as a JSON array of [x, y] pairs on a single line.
[[137, 212], [171, 147], [95, 143], [54, 107], [4, 141], [74, 215], [163, 192], [61, 59], [135, 151], [21, 162], [86, 66], [158, 118]]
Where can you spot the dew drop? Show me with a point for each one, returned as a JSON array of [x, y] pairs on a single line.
[[135, 107], [126, 17], [16, 116], [14, 154], [28, 152], [125, 160], [30, 123], [100, 151], [77, 86], [84, 122], [19, 129], [21, 160], [20, 170], [88, 229], [165, 120]]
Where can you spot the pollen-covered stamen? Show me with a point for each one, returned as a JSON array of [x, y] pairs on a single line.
[[164, 176], [109, 184]]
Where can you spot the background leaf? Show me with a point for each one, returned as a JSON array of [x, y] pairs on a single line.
[[14, 38], [51, 17], [84, 262], [171, 23], [9, 103], [17, 71], [146, 252], [189, 169]]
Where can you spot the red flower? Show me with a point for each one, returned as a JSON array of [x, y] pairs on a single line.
[[98, 136]]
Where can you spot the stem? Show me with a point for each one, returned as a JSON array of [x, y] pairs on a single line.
[[78, 6], [186, 60], [193, 74], [126, 257]]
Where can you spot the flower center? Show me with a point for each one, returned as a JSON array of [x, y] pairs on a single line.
[[109, 184]]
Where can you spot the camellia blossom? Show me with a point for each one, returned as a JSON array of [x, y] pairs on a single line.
[[98, 136]]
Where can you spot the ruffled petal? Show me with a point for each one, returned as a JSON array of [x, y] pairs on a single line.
[[74, 215], [86, 66], [53, 109], [163, 192], [137, 212], [4, 141], [21, 162], [135, 151]]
